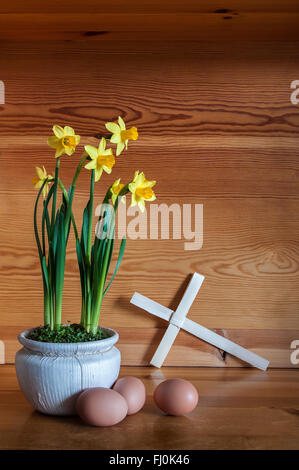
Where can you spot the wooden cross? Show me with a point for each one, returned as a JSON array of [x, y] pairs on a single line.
[[178, 320]]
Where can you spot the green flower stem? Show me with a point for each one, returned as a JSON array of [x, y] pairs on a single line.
[[51, 297], [55, 193], [88, 313], [67, 200], [59, 267], [58, 310], [46, 307], [73, 187], [51, 309], [83, 313]]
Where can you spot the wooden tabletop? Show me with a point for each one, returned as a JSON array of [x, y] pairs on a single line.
[[238, 409]]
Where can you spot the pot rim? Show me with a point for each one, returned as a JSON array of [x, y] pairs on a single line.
[[69, 349]]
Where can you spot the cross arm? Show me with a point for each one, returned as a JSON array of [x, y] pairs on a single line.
[[151, 306], [197, 330], [225, 344]]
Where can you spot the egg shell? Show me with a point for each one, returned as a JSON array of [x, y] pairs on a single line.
[[101, 406], [176, 397], [133, 390]]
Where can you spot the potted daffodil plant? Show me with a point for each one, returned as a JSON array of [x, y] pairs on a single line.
[[59, 360]]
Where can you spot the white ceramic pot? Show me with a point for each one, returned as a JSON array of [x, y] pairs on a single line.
[[51, 375]]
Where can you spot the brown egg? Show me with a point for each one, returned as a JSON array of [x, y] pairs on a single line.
[[176, 397], [133, 390], [101, 406]]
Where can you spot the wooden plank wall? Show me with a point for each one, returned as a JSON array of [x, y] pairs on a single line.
[[150, 20], [216, 127]]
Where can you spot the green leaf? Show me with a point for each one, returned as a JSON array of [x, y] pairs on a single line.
[[55, 232], [35, 222], [45, 218], [61, 245], [48, 225], [45, 273], [84, 231], [60, 264], [81, 269], [110, 247]]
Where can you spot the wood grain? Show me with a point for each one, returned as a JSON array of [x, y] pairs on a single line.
[[137, 346], [216, 128], [149, 6], [207, 90], [237, 409]]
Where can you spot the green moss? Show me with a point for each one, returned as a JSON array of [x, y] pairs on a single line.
[[66, 334]]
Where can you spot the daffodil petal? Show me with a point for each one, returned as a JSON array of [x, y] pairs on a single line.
[[39, 172], [141, 205], [69, 130], [116, 183], [113, 127], [139, 180], [98, 174], [45, 190], [148, 184], [120, 147], [69, 151], [91, 165], [38, 185], [53, 141], [115, 139], [132, 187], [121, 123], [133, 200], [58, 131], [136, 174], [107, 169], [153, 198], [102, 146], [59, 151], [107, 152]]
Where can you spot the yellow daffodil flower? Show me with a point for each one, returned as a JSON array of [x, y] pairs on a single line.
[[64, 140], [121, 135], [101, 159], [41, 177], [141, 190], [115, 190]]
